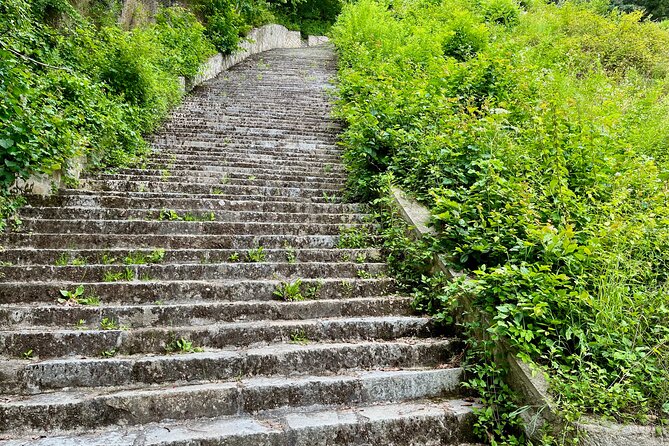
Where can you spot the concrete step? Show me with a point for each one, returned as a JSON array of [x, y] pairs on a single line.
[[323, 152], [434, 422], [73, 225], [190, 290], [168, 197], [217, 180], [154, 314], [224, 158], [248, 165], [204, 188], [220, 365], [87, 213], [46, 342], [188, 271], [194, 203], [323, 178], [120, 256], [87, 409]]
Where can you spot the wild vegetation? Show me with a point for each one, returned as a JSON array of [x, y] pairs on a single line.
[[75, 83], [537, 133]]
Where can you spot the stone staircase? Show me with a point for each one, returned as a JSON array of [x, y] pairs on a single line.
[[180, 320]]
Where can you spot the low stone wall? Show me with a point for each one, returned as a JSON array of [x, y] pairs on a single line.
[[258, 40], [529, 384]]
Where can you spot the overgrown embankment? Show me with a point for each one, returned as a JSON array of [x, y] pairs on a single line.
[[74, 84], [539, 136]]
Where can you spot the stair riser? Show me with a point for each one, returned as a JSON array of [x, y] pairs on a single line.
[[250, 182], [200, 314], [105, 200], [222, 198], [230, 366], [156, 227], [134, 408], [377, 425], [101, 241], [207, 189], [154, 340], [221, 271], [234, 175], [149, 292], [202, 256]]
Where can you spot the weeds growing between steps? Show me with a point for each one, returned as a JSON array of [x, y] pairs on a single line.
[[538, 135]]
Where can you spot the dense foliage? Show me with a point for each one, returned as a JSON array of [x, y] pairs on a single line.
[[70, 89], [539, 136], [655, 9], [74, 83]]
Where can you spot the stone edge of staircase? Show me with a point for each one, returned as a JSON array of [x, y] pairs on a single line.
[[264, 38], [527, 381]]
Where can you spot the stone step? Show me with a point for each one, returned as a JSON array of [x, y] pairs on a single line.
[[93, 409], [196, 313], [248, 170], [285, 168], [167, 241], [178, 228], [189, 271], [207, 188], [324, 178], [217, 180], [88, 213], [325, 152], [213, 193], [193, 203], [222, 158], [120, 256], [190, 290], [173, 148], [219, 365], [46, 342], [434, 422]]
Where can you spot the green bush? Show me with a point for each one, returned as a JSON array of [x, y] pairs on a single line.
[[542, 150], [503, 12]]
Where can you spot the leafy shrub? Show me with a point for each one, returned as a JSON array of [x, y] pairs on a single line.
[[465, 38], [182, 37], [503, 12], [543, 155]]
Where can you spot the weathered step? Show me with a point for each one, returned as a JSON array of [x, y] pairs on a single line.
[[216, 203], [167, 241], [120, 256], [217, 180], [188, 148], [240, 151], [48, 343], [225, 158], [193, 290], [232, 175], [77, 409], [169, 227], [206, 188], [213, 194], [189, 271], [437, 422], [242, 166], [69, 314], [87, 213], [219, 365]]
